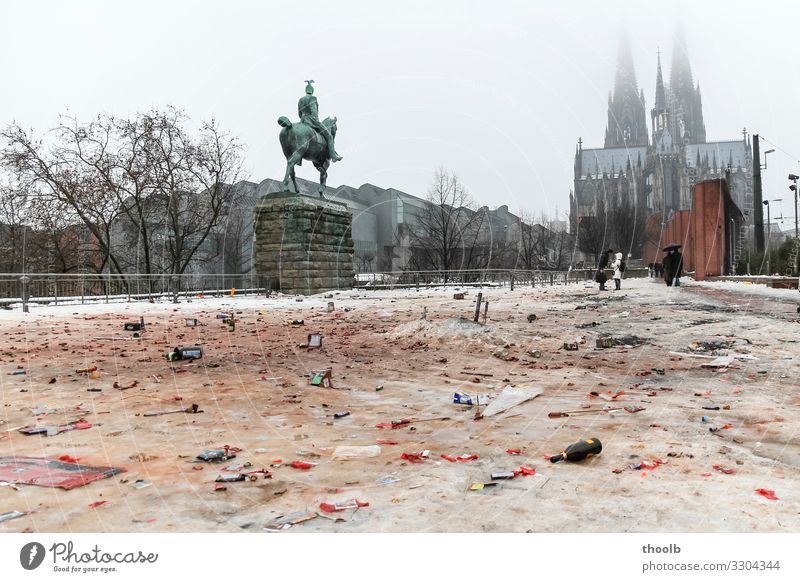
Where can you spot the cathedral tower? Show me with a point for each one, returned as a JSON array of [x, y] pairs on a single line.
[[627, 120]]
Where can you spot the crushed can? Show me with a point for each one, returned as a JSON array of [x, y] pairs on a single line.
[[138, 326], [341, 414], [571, 346], [330, 306]]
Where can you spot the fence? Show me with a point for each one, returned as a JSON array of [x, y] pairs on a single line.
[[85, 287], [53, 288]]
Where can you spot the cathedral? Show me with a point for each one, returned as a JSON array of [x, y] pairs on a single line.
[[655, 170]]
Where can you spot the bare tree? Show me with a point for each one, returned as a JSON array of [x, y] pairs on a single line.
[[148, 191], [445, 224], [13, 228], [593, 235], [626, 224]]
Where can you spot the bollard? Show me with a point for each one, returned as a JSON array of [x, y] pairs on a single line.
[[233, 291], [478, 307]]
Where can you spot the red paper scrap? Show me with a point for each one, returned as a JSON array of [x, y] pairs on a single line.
[[767, 493], [460, 458], [302, 465], [513, 451]]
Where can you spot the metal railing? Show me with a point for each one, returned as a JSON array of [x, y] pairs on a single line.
[[53, 288]]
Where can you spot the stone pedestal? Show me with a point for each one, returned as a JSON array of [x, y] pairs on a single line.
[[303, 244]]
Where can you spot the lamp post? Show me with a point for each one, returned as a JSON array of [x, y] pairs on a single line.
[[24, 280], [769, 234], [793, 187]]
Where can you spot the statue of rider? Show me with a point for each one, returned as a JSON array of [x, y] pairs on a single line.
[[308, 109]]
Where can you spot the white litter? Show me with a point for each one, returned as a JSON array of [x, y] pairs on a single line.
[[511, 397], [348, 452]]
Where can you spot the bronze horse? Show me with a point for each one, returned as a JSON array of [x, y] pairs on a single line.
[[301, 142]]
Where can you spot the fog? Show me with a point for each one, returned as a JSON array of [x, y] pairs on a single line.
[[498, 92]]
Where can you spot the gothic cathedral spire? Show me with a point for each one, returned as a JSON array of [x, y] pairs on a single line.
[[627, 123]]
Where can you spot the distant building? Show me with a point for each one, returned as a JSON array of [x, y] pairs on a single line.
[[655, 171]]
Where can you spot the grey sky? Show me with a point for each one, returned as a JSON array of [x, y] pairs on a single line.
[[498, 92]]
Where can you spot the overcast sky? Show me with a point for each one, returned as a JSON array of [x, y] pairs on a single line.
[[497, 91]]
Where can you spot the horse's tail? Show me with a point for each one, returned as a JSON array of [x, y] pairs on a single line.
[[283, 121]]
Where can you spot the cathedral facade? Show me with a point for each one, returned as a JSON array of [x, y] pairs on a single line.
[[654, 168]]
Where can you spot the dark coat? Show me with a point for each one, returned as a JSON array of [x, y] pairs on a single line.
[[673, 266], [603, 264]]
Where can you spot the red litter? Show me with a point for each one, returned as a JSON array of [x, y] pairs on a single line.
[[415, 457], [460, 458], [767, 493], [302, 465], [387, 442], [67, 459], [514, 451], [97, 503], [528, 471], [342, 505], [722, 469]]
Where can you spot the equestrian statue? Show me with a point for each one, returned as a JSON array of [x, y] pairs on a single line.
[[311, 139]]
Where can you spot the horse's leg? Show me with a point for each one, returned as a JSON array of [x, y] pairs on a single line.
[[291, 162], [323, 176], [294, 181]]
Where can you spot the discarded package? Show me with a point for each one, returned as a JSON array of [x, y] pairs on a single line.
[[191, 322], [330, 306], [459, 398], [579, 451], [322, 378], [302, 465], [458, 296], [505, 475], [51, 473], [314, 340], [138, 326], [298, 322], [342, 505], [341, 414], [351, 452], [88, 370], [571, 346], [767, 494], [510, 397], [604, 342], [54, 430], [222, 454]]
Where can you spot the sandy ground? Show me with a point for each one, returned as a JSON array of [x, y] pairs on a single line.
[[377, 338]]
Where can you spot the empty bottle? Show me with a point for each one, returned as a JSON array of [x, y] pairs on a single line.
[[579, 451]]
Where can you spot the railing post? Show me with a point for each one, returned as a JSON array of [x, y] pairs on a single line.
[[512, 281]]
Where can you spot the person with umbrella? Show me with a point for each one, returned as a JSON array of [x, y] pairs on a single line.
[[600, 276], [673, 265]]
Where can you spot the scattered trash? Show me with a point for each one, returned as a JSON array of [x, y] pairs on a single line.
[[720, 362], [341, 414], [387, 480], [562, 414], [140, 484], [302, 465], [510, 397], [18, 373], [298, 322], [513, 451], [460, 458], [190, 353], [531, 317], [351, 452], [8, 516], [571, 346], [768, 494], [579, 451], [604, 342], [419, 457], [722, 469], [54, 430], [330, 306], [459, 398], [387, 442], [633, 409], [138, 326], [193, 409], [119, 386], [98, 503], [51, 473], [322, 378], [314, 341], [88, 370], [286, 521], [191, 322], [222, 454], [342, 505], [480, 486], [458, 296], [379, 388]]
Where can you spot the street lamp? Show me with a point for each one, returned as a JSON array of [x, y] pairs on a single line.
[[793, 187], [769, 233], [764, 167]]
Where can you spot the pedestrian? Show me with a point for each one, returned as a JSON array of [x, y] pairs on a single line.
[[600, 276], [678, 267], [619, 267]]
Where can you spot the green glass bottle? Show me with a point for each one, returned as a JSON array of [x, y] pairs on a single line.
[[579, 451]]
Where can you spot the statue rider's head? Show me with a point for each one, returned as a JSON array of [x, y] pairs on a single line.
[[309, 88]]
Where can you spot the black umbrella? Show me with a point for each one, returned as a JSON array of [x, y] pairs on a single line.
[[672, 247]]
